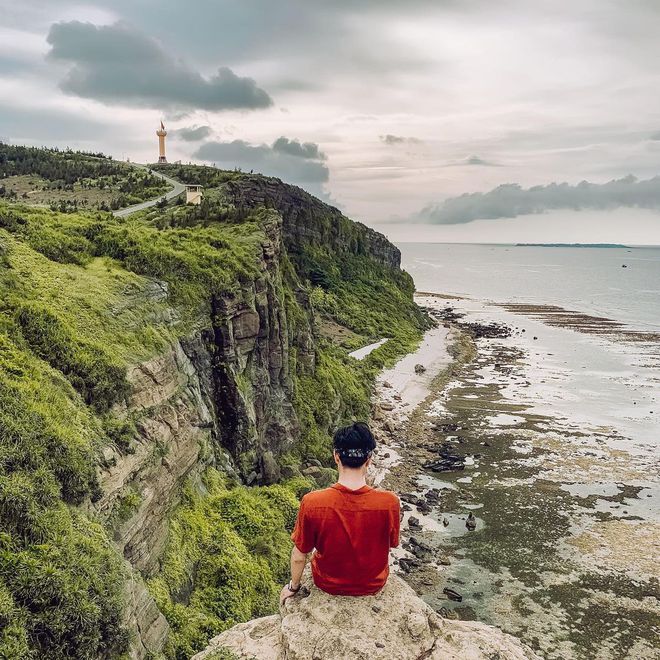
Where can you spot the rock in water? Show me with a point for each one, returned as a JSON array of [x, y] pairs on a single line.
[[420, 369], [414, 522], [392, 625], [471, 522], [452, 595]]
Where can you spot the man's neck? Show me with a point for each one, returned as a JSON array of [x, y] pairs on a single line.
[[353, 479]]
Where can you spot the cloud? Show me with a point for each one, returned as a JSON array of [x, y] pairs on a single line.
[[655, 136], [296, 148], [192, 133], [475, 161], [294, 162], [391, 140], [511, 200], [52, 127], [118, 65]]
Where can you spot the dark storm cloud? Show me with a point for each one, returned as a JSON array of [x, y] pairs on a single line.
[[511, 200], [309, 172], [117, 64], [391, 140], [296, 148], [192, 133]]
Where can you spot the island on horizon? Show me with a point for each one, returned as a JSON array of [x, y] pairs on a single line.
[[574, 245]]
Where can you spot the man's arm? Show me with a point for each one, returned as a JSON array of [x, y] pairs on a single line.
[[298, 562], [303, 538], [395, 524]]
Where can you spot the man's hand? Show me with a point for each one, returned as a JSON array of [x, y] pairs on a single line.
[[286, 593]]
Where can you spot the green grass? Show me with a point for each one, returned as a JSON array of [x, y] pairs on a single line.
[[65, 178], [77, 306], [61, 580], [227, 557], [83, 296]]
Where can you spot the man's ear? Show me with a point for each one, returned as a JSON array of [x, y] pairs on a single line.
[[335, 455]]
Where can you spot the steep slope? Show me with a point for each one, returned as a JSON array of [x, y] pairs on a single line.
[[149, 368]]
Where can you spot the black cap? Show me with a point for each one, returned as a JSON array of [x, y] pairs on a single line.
[[354, 444]]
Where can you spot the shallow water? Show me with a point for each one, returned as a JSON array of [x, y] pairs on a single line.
[[562, 419], [565, 550]]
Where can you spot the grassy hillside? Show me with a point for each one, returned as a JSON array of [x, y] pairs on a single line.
[[71, 180], [82, 297]]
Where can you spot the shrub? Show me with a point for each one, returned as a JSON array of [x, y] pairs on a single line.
[[90, 370], [226, 559]]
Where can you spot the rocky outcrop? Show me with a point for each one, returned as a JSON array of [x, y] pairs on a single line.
[[147, 624], [253, 341], [141, 483], [393, 625], [310, 222], [221, 396]]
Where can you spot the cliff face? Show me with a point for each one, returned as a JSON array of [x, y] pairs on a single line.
[[139, 356], [221, 396], [253, 345], [310, 222]]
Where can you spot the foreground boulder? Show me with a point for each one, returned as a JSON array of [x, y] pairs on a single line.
[[394, 625]]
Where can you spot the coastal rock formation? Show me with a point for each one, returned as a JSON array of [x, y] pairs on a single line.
[[210, 399], [392, 625], [308, 221], [220, 397]]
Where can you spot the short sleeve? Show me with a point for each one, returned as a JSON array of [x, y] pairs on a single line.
[[395, 523], [304, 536]]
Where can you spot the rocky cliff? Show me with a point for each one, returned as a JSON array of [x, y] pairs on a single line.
[[392, 625], [224, 395], [309, 222], [167, 362]]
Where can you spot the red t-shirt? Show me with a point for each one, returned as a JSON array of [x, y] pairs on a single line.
[[352, 532]]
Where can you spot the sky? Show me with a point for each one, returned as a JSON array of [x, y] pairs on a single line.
[[447, 120]]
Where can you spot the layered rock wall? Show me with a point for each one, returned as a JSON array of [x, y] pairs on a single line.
[[310, 222], [221, 396]]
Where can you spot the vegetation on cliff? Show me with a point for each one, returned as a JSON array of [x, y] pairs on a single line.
[[68, 180], [236, 539], [83, 297]]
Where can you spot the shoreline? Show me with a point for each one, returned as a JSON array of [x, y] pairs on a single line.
[[594, 517]]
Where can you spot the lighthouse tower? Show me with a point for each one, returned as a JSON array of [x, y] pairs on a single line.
[[161, 133]]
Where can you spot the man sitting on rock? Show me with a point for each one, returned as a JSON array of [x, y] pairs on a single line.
[[350, 526]]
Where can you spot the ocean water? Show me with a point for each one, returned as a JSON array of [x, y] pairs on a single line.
[[594, 373], [591, 280], [560, 427]]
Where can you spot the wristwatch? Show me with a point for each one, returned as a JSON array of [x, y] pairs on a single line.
[[291, 589]]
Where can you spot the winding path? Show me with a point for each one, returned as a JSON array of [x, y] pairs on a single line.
[[177, 189]]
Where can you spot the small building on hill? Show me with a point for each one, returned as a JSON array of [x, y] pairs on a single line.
[[194, 193]]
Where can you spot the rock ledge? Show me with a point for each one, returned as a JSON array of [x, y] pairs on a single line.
[[394, 624]]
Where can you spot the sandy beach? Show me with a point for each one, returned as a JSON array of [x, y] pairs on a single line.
[[561, 546]]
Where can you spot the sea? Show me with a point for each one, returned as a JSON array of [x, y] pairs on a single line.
[[559, 423]]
